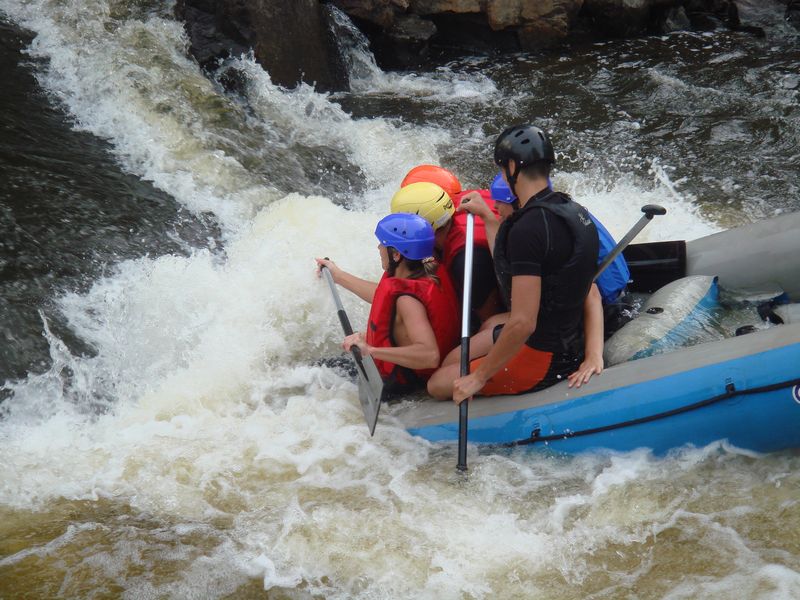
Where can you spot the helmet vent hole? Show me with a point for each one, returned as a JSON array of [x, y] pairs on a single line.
[[526, 141]]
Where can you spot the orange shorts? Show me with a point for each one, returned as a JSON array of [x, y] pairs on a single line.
[[528, 369]]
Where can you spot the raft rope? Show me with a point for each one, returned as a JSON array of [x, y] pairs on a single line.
[[730, 392]]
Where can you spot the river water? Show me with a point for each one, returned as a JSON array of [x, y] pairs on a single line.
[[165, 431]]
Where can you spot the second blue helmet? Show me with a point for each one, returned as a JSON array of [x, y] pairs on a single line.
[[411, 235], [500, 190]]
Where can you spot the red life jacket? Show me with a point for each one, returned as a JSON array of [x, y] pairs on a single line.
[[457, 235], [443, 311]]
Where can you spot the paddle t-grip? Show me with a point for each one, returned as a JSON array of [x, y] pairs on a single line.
[[653, 210]]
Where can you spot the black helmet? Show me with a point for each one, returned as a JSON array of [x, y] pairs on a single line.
[[525, 145]]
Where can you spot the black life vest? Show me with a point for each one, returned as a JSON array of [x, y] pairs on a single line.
[[563, 292]]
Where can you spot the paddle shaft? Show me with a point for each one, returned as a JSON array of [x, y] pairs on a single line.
[[650, 211], [466, 309], [370, 383], [348, 329]]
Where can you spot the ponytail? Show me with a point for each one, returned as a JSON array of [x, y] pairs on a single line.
[[426, 267]]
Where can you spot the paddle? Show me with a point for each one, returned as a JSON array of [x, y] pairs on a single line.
[[370, 384], [465, 319], [650, 211]]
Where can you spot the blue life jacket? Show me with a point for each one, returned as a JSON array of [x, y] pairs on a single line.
[[614, 279]]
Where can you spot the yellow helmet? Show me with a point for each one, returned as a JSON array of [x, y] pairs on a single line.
[[425, 199]]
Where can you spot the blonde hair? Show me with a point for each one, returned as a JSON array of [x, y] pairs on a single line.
[[427, 267]]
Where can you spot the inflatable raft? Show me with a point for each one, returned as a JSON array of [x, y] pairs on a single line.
[[744, 389]]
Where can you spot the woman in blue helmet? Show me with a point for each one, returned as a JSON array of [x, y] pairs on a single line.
[[413, 321]]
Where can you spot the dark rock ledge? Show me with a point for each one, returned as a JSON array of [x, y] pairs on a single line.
[[292, 39], [295, 39]]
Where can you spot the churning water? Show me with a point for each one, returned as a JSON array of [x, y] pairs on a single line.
[[164, 430]]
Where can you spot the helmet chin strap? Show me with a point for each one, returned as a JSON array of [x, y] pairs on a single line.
[[512, 183]]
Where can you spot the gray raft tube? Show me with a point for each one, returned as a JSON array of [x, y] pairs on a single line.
[[762, 258]]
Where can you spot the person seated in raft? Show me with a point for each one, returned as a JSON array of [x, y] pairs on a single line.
[[613, 281], [414, 318], [593, 307], [435, 194], [545, 257]]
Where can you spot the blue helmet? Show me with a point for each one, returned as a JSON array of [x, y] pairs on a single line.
[[411, 235], [500, 190]]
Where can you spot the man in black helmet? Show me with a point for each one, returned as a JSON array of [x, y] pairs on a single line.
[[545, 257]]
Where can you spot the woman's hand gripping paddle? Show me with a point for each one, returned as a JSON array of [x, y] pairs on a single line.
[[370, 384], [466, 309]]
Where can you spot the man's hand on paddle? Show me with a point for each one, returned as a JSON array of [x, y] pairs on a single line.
[[466, 387], [474, 203]]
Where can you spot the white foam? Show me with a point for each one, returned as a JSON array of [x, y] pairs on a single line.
[[177, 335], [618, 204], [130, 82], [383, 149], [366, 78]]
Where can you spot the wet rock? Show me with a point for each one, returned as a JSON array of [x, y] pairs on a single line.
[[403, 45], [674, 19], [412, 29], [304, 49], [471, 33], [403, 33], [428, 7], [9, 238], [546, 24], [625, 18], [409, 38], [207, 42], [542, 34], [538, 24], [790, 82], [715, 14], [707, 14], [619, 17], [375, 12], [792, 14]]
